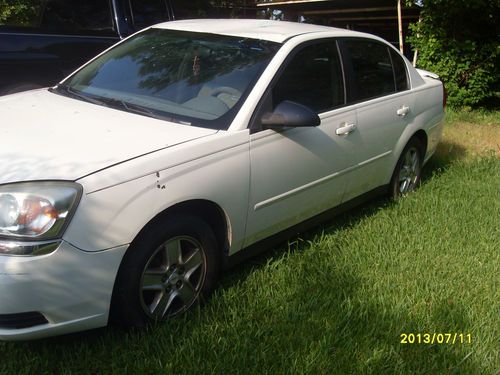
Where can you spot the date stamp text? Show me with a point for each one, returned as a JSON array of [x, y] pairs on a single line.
[[436, 338]]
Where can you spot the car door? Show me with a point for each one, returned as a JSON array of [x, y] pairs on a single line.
[[299, 172], [377, 86]]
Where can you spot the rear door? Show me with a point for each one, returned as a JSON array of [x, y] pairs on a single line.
[[378, 87]]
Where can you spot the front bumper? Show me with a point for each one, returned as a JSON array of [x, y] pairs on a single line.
[[69, 288]]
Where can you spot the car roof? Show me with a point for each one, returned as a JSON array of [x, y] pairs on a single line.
[[275, 31]]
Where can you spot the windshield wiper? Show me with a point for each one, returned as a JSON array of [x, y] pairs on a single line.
[[68, 91], [113, 103], [141, 110]]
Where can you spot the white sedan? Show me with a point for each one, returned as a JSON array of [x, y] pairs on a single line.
[[187, 147]]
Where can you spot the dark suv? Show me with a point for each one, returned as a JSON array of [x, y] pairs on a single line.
[[49, 39]]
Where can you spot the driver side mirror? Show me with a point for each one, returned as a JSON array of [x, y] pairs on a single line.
[[290, 114]]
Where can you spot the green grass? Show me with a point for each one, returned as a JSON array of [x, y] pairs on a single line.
[[478, 116], [336, 300]]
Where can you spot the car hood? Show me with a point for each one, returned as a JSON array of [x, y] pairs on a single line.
[[47, 136]]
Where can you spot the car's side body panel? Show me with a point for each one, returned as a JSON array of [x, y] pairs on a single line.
[[429, 112], [210, 168], [378, 130], [295, 174]]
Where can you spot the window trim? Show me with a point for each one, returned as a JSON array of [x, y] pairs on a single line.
[[253, 123], [407, 73]]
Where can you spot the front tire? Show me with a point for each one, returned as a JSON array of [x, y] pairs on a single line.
[[408, 171], [167, 269]]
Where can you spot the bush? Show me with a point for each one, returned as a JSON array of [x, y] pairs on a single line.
[[17, 12], [457, 39]]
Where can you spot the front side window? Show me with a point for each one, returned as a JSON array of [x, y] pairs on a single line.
[[185, 77], [312, 78], [369, 69], [68, 16]]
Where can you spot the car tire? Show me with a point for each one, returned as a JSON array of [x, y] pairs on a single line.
[[169, 268], [408, 171]]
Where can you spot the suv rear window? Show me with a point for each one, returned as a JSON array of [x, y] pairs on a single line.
[[148, 12], [68, 16]]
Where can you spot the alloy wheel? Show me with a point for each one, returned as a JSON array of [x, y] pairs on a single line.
[[409, 172], [173, 277]]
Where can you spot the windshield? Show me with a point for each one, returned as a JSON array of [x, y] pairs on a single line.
[[190, 78]]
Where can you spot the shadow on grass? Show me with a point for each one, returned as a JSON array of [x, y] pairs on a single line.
[[447, 153]]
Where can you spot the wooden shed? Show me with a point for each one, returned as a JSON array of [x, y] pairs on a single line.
[[388, 19]]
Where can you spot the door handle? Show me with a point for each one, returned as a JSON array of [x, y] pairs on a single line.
[[345, 129], [403, 111]]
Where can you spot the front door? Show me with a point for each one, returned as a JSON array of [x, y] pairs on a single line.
[[297, 173]]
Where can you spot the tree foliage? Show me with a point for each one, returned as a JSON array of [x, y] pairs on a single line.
[[17, 11], [458, 39]]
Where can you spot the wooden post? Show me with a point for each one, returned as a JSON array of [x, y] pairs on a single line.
[[415, 55], [400, 27]]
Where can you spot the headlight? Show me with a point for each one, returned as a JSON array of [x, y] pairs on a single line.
[[37, 211]]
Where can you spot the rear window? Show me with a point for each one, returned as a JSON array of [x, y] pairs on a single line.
[[208, 9], [148, 12], [91, 17]]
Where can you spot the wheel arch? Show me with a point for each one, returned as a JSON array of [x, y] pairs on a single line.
[[209, 211], [421, 135], [407, 136]]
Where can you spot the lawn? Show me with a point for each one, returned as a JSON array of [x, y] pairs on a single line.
[[337, 299]]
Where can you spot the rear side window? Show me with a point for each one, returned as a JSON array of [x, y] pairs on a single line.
[[400, 74], [148, 12], [312, 78], [368, 69], [69, 16]]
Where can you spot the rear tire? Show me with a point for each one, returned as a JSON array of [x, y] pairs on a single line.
[[169, 268], [408, 171]]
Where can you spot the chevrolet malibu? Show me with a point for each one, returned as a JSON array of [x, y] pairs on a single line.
[[126, 188]]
